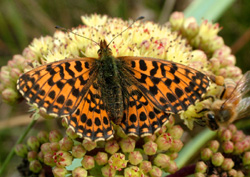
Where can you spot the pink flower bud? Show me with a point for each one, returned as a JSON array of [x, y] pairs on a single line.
[[155, 172], [162, 160], [150, 148], [62, 158], [66, 144], [78, 151], [107, 171], [88, 145], [32, 155], [88, 162], [164, 141], [117, 161], [59, 172], [217, 159], [79, 172], [55, 136], [227, 164], [127, 145], [135, 157], [145, 166], [33, 143], [43, 137], [101, 158], [111, 146], [200, 167], [21, 150]]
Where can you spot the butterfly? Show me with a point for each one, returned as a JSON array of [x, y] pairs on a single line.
[[136, 93]]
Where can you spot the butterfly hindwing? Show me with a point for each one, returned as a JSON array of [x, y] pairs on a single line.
[[141, 117], [170, 86], [90, 120], [58, 87]]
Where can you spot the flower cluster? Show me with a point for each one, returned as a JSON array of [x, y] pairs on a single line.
[[205, 37], [227, 156], [183, 41], [123, 155]]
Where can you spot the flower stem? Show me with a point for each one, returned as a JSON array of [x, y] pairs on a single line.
[[193, 147], [12, 152]]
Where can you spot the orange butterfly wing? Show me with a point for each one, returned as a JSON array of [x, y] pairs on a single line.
[[170, 86], [90, 120], [58, 87]]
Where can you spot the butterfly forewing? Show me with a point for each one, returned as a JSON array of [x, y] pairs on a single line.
[[171, 87], [58, 87]]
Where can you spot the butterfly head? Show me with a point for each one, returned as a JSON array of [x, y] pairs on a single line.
[[104, 49]]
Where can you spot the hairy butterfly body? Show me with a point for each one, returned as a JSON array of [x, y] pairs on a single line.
[[136, 93]]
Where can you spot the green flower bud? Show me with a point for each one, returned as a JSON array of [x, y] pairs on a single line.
[[79, 172], [226, 135], [238, 136], [133, 171], [48, 159], [150, 148], [127, 145], [66, 144], [88, 162], [21, 150], [33, 143], [55, 136], [45, 147], [59, 172], [228, 146], [112, 146], [232, 173], [101, 158], [117, 161], [176, 145], [201, 167], [199, 175], [43, 137], [162, 160], [227, 164], [107, 171], [246, 158], [71, 133], [206, 154], [78, 151], [32, 155], [40, 156], [54, 146], [145, 166], [35, 166], [88, 145], [135, 157], [217, 159], [176, 132], [62, 158], [9, 95], [214, 145], [155, 172], [164, 141], [176, 20], [172, 167]]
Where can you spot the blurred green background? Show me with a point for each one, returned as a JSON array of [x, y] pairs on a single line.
[[23, 20]]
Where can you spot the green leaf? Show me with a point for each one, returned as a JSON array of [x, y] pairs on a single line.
[[211, 10]]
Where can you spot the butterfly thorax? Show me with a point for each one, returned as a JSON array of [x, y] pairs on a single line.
[[108, 80]]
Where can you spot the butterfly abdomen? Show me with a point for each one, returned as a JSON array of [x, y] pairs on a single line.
[[111, 91]]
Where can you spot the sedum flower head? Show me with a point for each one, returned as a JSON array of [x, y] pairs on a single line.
[[185, 42]]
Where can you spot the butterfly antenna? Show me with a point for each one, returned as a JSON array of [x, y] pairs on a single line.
[[70, 31], [139, 18]]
